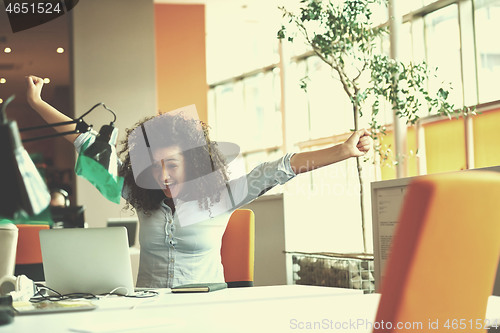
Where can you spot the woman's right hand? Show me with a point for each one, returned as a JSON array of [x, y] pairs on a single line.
[[50, 114], [34, 90]]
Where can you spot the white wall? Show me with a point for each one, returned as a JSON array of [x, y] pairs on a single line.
[[270, 260], [114, 63]]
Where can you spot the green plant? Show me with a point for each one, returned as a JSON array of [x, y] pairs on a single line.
[[342, 35]]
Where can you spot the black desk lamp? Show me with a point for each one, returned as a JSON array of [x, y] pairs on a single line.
[[27, 192], [22, 189], [98, 163]]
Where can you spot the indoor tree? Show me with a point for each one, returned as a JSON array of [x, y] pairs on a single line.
[[341, 33]]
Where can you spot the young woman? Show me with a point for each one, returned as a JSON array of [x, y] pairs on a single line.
[[177, 181]]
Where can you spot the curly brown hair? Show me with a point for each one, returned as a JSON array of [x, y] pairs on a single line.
[[186, 133]]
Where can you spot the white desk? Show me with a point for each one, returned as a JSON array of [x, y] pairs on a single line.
[[256, 309]]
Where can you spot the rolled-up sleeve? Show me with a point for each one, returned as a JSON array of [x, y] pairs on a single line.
[[89, 137], [82, 139], [261, 179], [286, 167]]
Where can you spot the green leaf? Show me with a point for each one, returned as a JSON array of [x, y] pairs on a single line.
[[281, 32]]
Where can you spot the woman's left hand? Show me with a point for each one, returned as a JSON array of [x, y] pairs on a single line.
[[359, 143]]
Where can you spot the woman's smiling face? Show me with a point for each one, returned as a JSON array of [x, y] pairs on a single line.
[[169, 170]]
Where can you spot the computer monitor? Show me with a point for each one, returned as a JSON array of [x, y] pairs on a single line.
[[68, 217], [387, 198], [129, 223]]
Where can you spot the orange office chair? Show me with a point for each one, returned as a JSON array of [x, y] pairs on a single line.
[[29, 254], [444, 254], [238, 247]]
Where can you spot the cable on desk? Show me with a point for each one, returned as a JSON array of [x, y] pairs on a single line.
[[112, 292], [138, 294], [39, 297], [144, 294]]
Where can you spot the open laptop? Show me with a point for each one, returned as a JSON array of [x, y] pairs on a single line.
[[87, 260]]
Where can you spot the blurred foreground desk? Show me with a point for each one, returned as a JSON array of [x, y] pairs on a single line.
[[256, 309]]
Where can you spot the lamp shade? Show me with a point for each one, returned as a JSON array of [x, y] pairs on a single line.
[[98, 163], [23, 191], [103, 149]]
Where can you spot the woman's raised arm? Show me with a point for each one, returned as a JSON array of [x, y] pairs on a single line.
[[50, 114], [358, 144]]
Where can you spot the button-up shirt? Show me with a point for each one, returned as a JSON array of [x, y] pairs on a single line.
[[175, 253]]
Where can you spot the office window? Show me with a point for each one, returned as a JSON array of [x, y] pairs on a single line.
[[443, 50], [384, 46], [417, 31], [405, 48], [299, 45], [487, 20], [242, 41], [406, 7], [323, 109], [248, 111], [262, 117], [297, 110], [229, 105], [330, 108], [380, 14]]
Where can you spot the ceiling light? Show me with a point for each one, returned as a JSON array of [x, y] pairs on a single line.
[[7, 50], [3, 80], [1, 101], [60, 50], [46, 80]]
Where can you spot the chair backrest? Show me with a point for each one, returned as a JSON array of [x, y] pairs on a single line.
[[29, 254], [238, 249], [28, 244], [444, 254]]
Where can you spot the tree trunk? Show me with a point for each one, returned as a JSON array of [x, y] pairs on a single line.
[[355, 111]]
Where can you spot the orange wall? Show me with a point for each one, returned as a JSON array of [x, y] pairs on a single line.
[[486, 138], [445, 146], [180, 57]]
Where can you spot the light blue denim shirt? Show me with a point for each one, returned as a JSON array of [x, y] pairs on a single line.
[[173, 253]]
